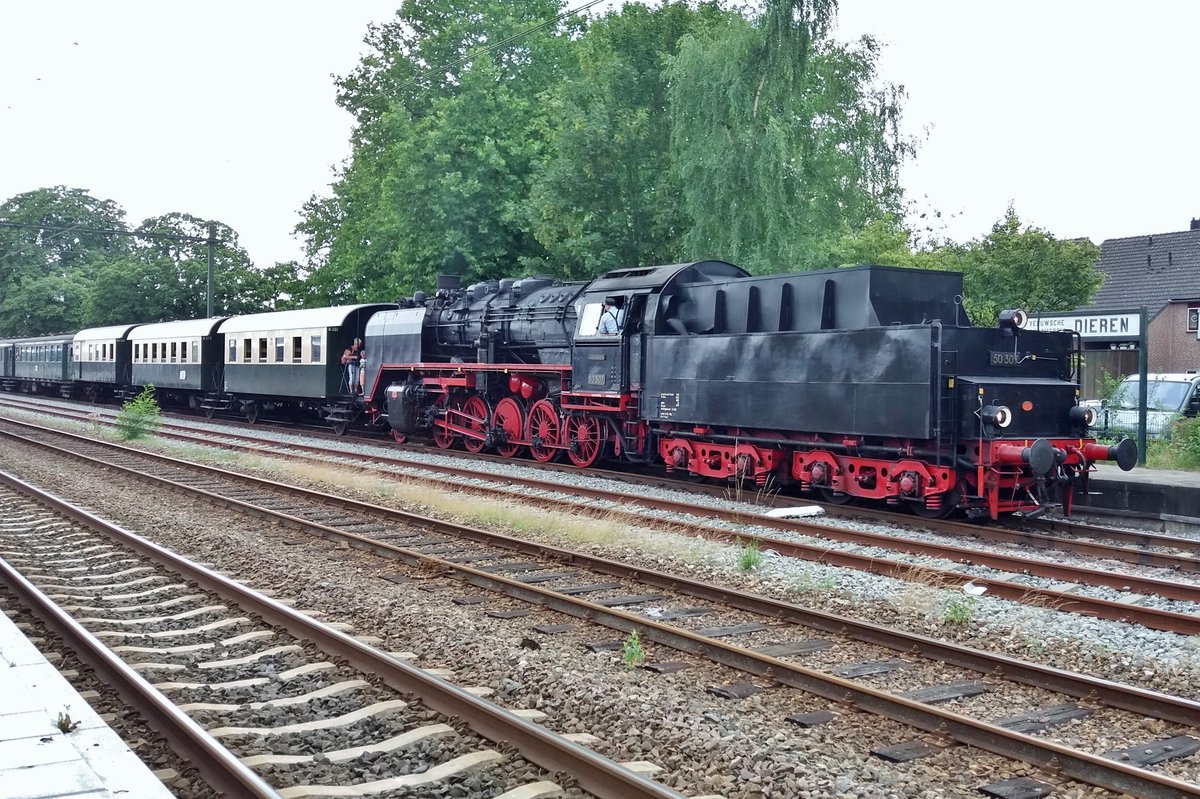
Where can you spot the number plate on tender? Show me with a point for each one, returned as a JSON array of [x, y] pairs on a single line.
[[1005, 359]]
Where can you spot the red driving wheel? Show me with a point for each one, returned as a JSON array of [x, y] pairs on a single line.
[[475, 413], [509, 418], [543, 431], [584, 440]]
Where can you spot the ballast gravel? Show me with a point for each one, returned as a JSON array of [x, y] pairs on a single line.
[[741, 749]]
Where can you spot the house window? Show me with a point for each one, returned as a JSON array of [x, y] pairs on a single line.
[[314, 351], [1193, 318]]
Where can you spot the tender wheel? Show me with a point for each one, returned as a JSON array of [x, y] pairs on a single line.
[[584, 440], [340, 427], [949, 504], [210, 413], [398, 437], [835, 497], [252, 411], [543, 428], [476, 412], [509, 418]]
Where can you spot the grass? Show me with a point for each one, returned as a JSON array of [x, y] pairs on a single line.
[[64, 723], [749, 555]]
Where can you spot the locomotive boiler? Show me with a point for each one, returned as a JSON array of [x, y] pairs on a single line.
[[864, 382]]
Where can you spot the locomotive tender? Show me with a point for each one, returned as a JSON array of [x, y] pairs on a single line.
[[863, 382], [860, 382]]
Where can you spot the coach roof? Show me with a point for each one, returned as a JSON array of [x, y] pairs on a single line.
[[306, 319], [110, 333], [188, 328]]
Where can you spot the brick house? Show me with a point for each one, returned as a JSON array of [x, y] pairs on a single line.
[[1162, 272]]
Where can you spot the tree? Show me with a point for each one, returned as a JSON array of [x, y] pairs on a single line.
[[605, 194], [45, 271], [441, 152], [782, 138], [1022, 266], [163, 279]]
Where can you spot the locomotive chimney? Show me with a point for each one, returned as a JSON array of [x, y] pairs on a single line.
[[1195, 224]]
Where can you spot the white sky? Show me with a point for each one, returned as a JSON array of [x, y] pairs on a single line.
[[1084, 114]]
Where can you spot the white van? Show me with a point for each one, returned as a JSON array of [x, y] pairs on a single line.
[[1168, 395]]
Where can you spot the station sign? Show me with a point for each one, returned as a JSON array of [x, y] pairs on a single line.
[[1094, 326]]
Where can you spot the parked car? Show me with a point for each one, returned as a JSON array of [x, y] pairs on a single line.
[[1168, 396]]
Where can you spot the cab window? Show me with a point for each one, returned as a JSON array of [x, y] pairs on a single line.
[[589, 319]]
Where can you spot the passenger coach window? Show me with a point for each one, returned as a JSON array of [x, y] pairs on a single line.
[[233, 350], [262, 350], [279, 349], [195, 352], [247, 350], [297, 349], [314, 351], [174, 351]]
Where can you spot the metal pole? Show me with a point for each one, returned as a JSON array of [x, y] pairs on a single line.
[[1143, 389], [212, 240]]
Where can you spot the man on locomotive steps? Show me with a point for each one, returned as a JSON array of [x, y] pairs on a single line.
[[350, 361], [613, 317]]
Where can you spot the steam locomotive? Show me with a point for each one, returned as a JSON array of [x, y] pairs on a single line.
[[865, 382]]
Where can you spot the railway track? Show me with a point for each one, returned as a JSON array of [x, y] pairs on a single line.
[[255, 684], [1043, 532], [774, 640], [796, 539]]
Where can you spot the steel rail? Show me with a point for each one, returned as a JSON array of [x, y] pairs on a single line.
[[1168, 621], [1080, 765], [217, 766], [594, 773]]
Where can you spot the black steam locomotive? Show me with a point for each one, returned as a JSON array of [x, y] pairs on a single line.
[[861, 382]]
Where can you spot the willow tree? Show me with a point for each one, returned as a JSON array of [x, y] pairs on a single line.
[[783, 139]]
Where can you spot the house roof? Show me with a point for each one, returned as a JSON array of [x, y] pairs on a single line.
[[1148, 270]]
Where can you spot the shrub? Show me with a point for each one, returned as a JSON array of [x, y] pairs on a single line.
[[632, 653], [1180, 450], [140, 417]]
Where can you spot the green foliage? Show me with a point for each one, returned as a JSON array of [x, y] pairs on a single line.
[[958, 610], [1018, 266], [1180, 449], [442, 158], [749, 555], [632, 653], [64, 723], [44, 276], [1108, 385], [140, 416], [783, 139], [57, 281], [604, 193]]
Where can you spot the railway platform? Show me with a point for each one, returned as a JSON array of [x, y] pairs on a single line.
[[1170, 497], [37, 759]]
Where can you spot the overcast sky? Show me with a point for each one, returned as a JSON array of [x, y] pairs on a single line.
[[1085, 115]]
